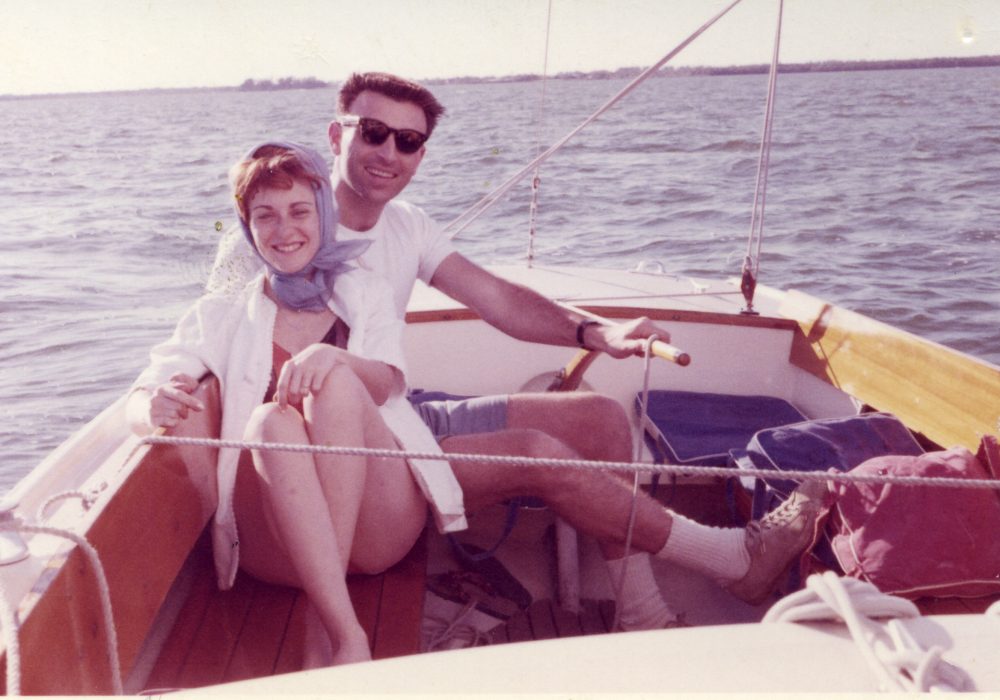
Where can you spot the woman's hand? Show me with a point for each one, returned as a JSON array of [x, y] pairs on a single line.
[[305, 373], [169, 403]]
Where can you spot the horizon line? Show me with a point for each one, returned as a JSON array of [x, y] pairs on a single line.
[[985, 60]]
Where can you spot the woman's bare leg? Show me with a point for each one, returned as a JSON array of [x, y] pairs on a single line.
[[302, 520], [323, 511], [377, 524]]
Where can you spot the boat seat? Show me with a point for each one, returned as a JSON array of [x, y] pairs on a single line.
[[699, 428]]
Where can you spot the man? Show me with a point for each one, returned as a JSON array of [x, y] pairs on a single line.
[[378, 139]]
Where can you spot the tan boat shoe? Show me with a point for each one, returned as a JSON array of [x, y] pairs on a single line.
[[777, 540]]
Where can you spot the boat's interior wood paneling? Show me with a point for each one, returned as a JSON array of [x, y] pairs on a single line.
[[951, 398], [142, 536]]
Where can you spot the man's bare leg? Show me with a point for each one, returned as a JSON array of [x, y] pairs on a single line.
[[593, 426]]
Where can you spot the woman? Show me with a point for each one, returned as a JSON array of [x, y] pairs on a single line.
[[310, 352]]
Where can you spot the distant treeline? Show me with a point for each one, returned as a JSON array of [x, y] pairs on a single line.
[[817, 67], [627, 73], [668, 71], [284, 84]]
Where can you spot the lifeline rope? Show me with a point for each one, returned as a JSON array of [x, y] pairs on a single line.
[[111, 636], [901, 663], [681, 470], [472, 213]]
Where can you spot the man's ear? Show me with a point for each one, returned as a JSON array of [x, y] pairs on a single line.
[[334, 132]]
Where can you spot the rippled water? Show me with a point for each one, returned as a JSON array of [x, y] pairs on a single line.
[[882, 197]]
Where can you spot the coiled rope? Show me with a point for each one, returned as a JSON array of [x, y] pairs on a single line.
[[9, 617], [896, 658]]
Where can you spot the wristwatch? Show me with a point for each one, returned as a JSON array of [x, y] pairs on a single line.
[[581, 329]]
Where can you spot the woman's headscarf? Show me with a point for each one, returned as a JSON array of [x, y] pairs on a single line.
[[311, 287]]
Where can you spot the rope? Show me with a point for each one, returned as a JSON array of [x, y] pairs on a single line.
[[678, 469], [88, 498], [111, 637], [443, 632], [751, 263], [536, 181], [637, 455], [476, 210], [8, 618], [896, 658]]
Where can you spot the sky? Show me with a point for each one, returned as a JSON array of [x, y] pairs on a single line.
[[51, 46]]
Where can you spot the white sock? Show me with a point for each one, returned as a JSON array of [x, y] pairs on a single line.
[[718, 552], [639, 600]]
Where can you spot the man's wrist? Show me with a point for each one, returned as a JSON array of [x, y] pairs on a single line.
[[581, 332]]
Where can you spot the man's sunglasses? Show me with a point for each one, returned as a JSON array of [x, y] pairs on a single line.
[[375, 133]]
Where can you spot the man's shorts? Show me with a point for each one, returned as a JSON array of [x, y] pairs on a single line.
[[448, 415]]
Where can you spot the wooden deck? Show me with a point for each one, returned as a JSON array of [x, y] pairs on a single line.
[[257, 629], [544, 619]]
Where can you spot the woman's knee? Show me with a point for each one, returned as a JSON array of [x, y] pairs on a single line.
[[342, 386], [269, 420]]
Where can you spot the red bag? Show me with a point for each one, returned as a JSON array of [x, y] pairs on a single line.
[[916, 541]]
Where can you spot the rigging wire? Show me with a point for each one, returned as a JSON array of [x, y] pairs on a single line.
[[751, 262], [461, 222], [536, 181]]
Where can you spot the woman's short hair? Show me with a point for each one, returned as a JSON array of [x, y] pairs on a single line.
[[393, 87], [269, 167]]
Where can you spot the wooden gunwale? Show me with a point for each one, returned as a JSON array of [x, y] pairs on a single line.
[[949, 397], [628, 312]]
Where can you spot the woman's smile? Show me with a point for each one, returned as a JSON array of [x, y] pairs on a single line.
[[285, 226]]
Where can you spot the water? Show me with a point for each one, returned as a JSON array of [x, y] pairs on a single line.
[[882, 198]]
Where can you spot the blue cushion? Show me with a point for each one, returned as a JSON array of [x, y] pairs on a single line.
[[688, 427], [819, 445]]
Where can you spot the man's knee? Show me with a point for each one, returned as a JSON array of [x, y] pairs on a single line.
[[598, 408], [529, 442]]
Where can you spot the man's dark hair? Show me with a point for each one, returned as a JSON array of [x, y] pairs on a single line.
[[393, 87]]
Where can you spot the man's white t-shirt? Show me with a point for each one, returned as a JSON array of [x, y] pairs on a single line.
[[406, 246]]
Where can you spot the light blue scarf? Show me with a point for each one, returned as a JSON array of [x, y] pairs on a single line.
[[311, 287]]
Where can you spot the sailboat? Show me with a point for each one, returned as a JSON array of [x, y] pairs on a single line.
[[107, 570]]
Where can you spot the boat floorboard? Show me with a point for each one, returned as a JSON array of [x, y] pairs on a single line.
[[258, 629]]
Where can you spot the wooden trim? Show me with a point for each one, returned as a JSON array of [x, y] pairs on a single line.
[[143, 537], [951, 398], [258, 629], [401, 607], [570, 376], [624, 313]]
